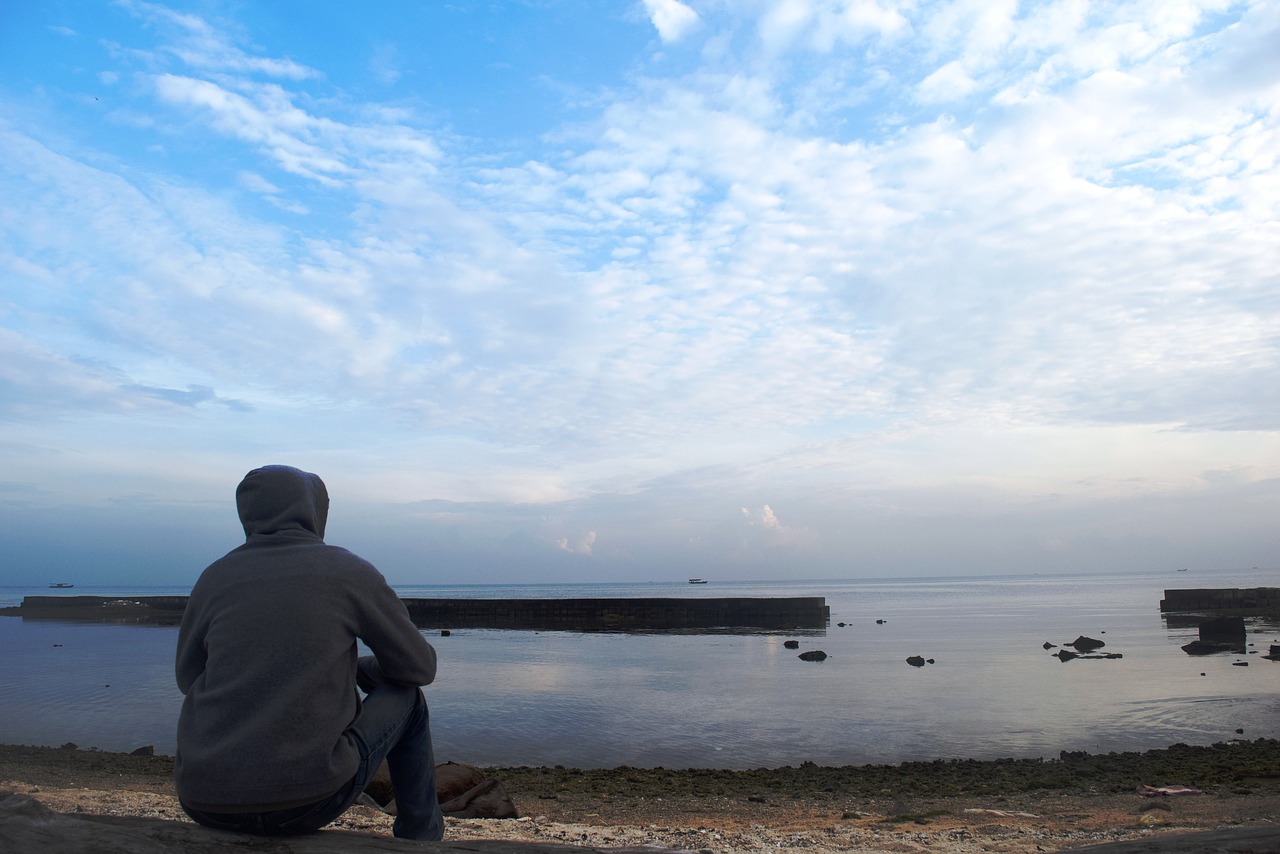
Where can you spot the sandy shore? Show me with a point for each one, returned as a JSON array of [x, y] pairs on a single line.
[[956, 807]]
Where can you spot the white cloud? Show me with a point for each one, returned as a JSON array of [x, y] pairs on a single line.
[[275, 195], [827, 25], [384, 65], [784, 23], [949, 83], [672, 19], [763, 518], [983, 28], [255, 182], [582, 546], [775, 274], [268, 120], [200, 45], [36, 380], [754, 255]]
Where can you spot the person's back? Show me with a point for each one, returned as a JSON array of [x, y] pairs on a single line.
[[272, 737]]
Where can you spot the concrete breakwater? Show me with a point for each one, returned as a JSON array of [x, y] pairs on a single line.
[[139, 610], [1241, 601], [622, 615], [654, 614]]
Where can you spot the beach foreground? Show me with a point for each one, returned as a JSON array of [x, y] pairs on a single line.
[[946, 806]]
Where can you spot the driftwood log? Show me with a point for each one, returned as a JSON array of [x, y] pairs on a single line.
[[28, 825]]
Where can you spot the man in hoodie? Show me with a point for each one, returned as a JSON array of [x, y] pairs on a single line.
[[273, 737]]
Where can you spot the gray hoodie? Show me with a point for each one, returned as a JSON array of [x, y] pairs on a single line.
[[267, 655]]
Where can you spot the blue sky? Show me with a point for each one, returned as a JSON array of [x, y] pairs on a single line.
[[561, 291]]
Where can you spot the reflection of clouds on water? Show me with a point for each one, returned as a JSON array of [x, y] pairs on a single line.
[[523, 678]]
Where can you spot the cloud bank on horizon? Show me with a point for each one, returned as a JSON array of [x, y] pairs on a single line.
[[572, 291]]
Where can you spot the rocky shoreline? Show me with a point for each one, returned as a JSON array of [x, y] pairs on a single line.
[[950, 806]]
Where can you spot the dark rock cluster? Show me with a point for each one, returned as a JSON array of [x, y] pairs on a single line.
[[1082, 647]]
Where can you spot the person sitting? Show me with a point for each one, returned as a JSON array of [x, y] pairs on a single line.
[[273, 737]]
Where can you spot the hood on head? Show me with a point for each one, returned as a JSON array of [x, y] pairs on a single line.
[[282, 498]]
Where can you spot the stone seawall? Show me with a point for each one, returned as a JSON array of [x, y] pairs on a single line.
[[130, 610], [656, 614], [651, 614], [1244, 601]]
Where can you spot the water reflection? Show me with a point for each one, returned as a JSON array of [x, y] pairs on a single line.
[[741, 699], [95, 685]]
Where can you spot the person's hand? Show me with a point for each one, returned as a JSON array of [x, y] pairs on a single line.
[[368, 673]]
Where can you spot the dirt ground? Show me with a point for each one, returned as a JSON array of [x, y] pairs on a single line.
[[954, 807]]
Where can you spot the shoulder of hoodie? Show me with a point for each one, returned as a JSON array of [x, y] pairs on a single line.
[[326, 553]]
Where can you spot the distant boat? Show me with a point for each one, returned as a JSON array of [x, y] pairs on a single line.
[[696, 581], [1182, 570], [61, 585]]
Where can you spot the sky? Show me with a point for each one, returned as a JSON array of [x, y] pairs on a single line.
[[565, 291]]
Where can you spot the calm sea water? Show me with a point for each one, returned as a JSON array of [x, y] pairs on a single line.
[[739, 700]]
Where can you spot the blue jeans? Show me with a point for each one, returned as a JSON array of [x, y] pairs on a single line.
[[394, 725]]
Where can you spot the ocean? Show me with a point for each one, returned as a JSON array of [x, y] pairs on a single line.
[[739, 700]]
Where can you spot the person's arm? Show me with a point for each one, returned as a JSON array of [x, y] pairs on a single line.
[[400, 651], [191, 656]]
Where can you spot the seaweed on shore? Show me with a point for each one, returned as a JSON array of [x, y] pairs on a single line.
[[1225, 767], [1236, 767]]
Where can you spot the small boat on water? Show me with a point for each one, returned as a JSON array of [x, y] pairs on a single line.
[[697, 581], [61, 585]]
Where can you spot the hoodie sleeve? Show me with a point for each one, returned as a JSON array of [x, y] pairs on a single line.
[[191, 655], [403, 654]]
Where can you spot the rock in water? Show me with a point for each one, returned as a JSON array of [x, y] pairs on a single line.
[[1224, 630], [916, 660], [813, 655]]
